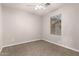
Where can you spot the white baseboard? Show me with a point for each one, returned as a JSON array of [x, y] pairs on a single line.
[[63, 46], [20, 43], [44, 40]]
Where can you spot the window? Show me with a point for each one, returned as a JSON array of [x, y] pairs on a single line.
[[55, 25]]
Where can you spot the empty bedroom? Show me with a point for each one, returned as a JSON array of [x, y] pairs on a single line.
[[39, 29]]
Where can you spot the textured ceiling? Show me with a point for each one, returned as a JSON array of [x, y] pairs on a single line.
[[29, 7]]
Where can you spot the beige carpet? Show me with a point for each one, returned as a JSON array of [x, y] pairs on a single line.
[[37, 48]]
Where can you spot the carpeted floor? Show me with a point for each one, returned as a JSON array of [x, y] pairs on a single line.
[[37, 48]]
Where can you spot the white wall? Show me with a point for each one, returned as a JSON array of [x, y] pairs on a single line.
[[20, 26], [70, 27], [0, 27]]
